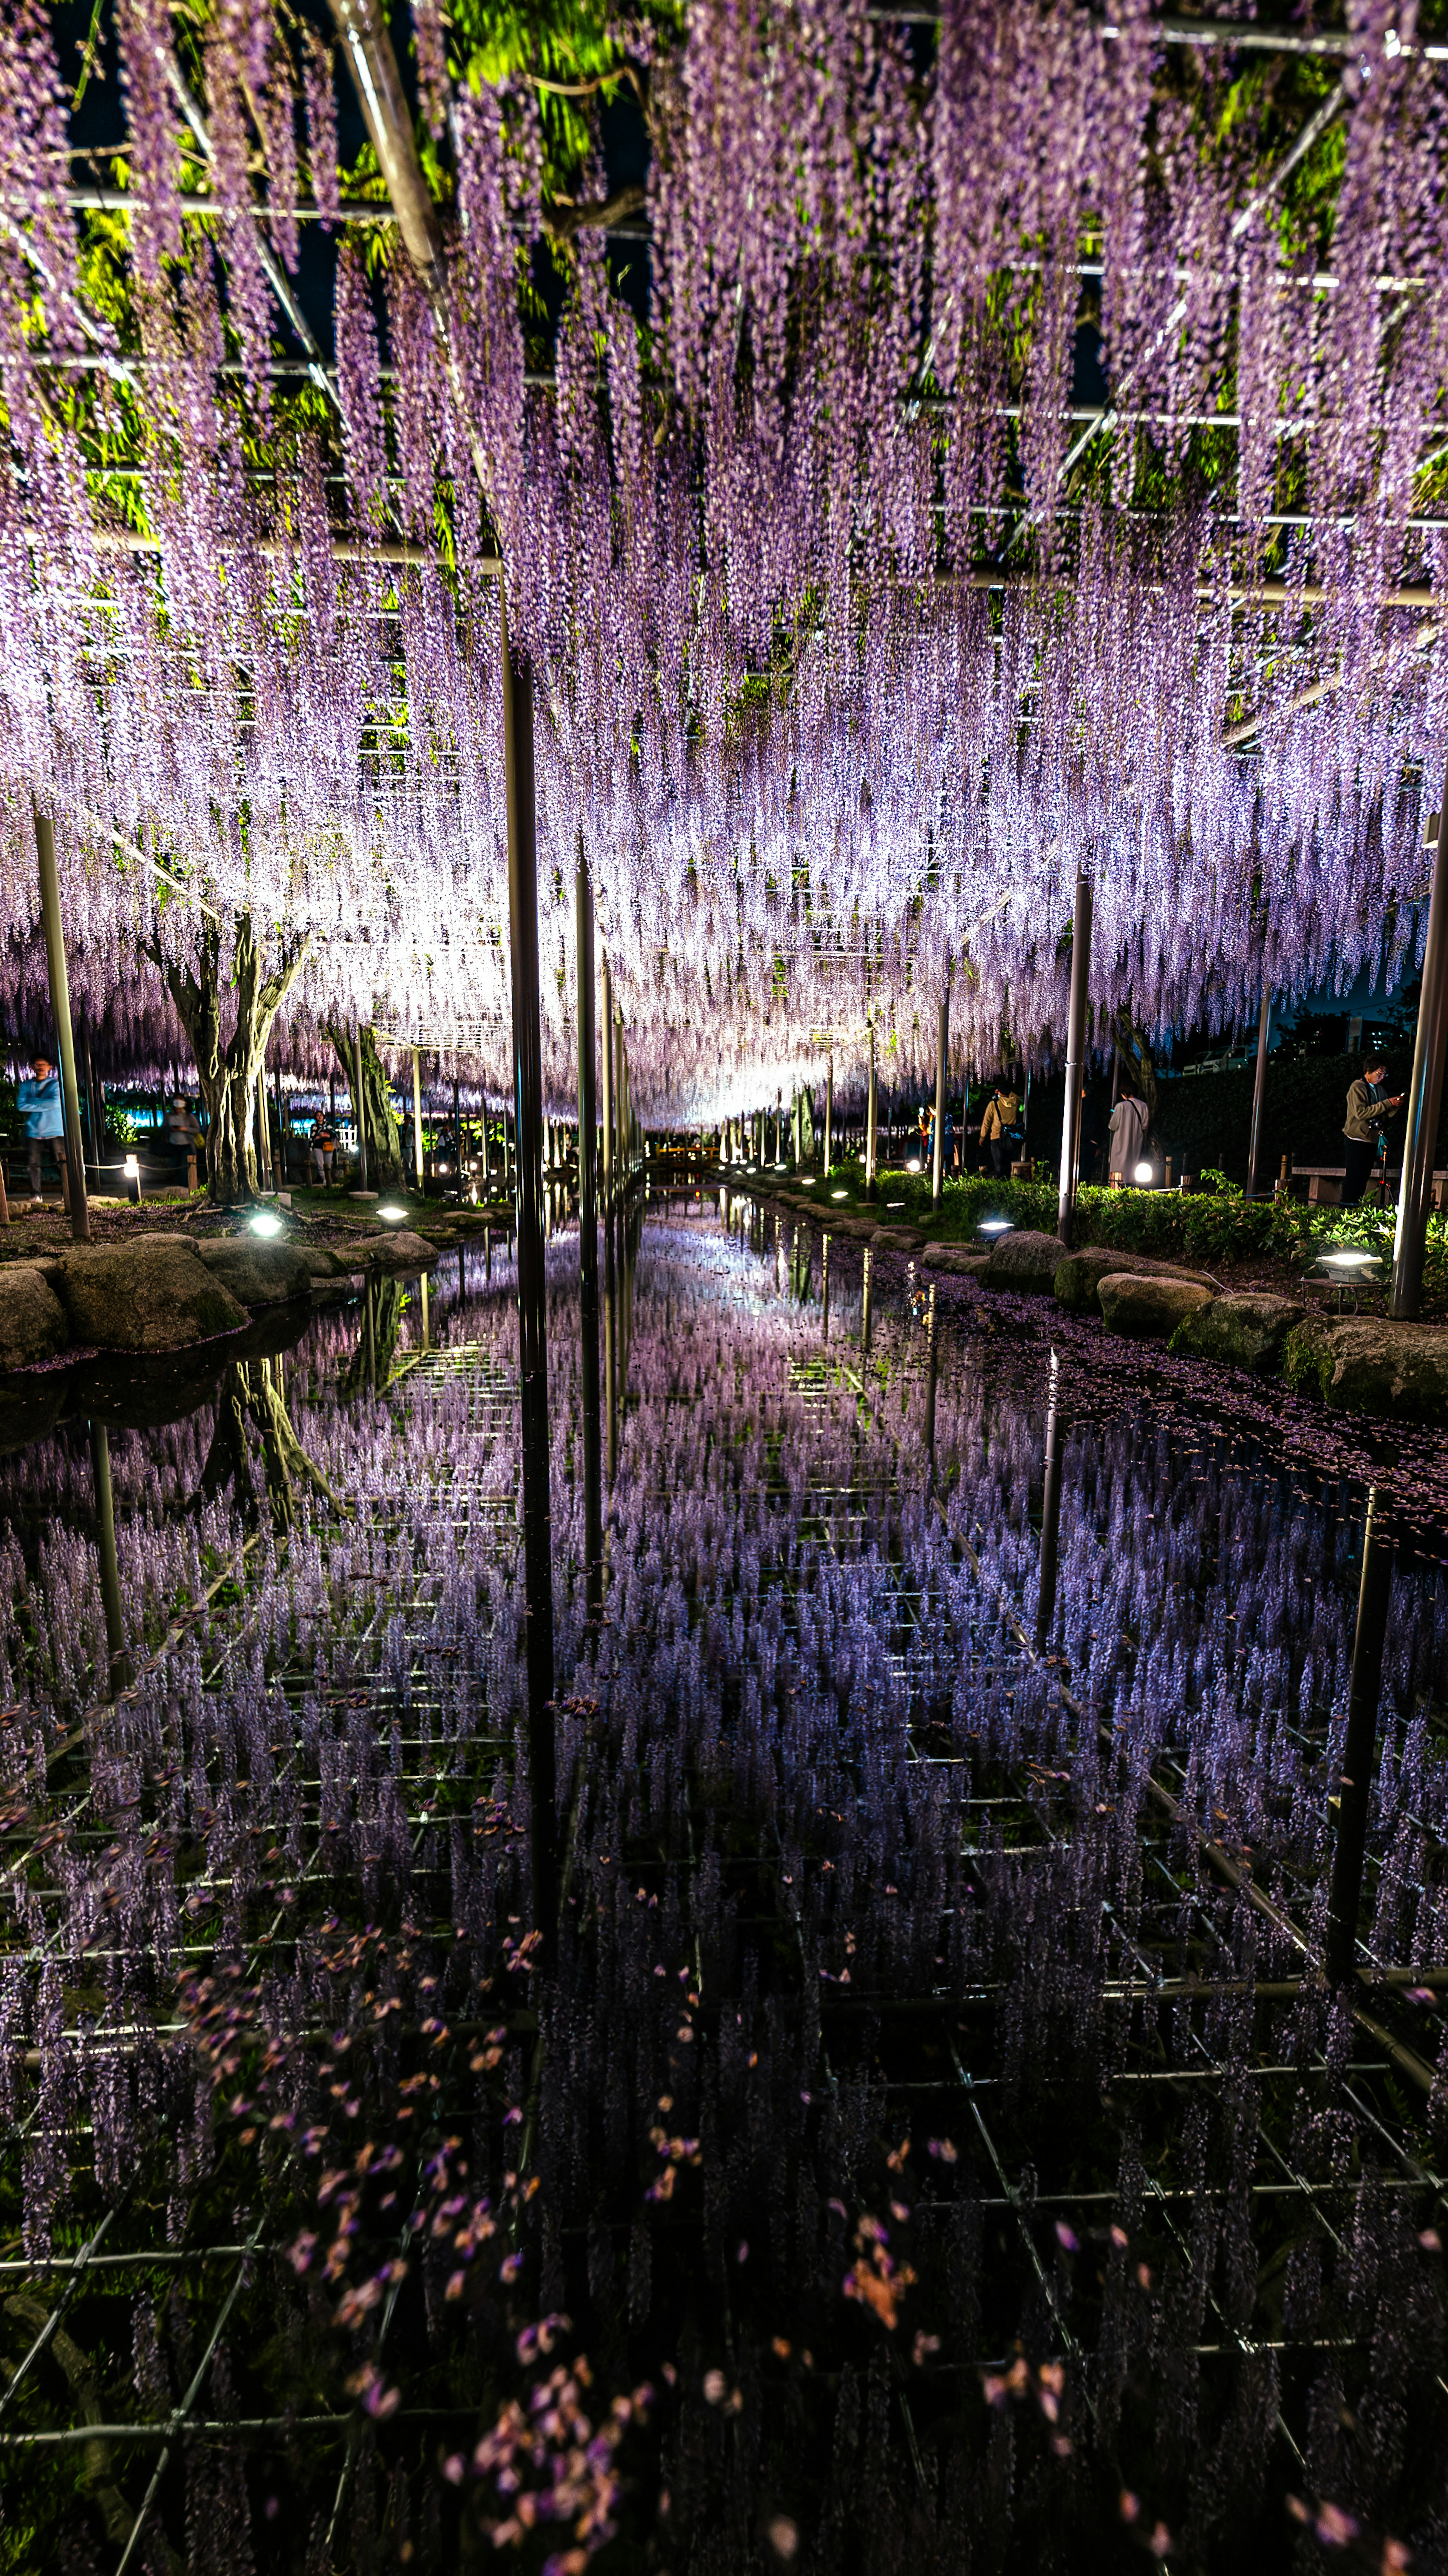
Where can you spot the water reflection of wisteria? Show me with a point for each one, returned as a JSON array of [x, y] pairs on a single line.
[[936, 2146]]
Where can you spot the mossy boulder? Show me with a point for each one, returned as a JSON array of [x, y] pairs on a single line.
[[1078, 1275], [897, 1238], [1245, 1332], [32, 1319], [398, 1250], [1024, 1260], [258, 1271], [1149, 1307], [1363, 1364], [153, 1294], [957, 1260]]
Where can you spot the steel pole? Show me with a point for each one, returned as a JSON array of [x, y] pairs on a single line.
[[532, 1286], [588, 1247], [870, 1122], [1375, 1586], [417, 1118], [1075, 1060], [937, 1160], [64, 1035], [1259, 1092], [829, 1111], [1425, 1096], [361, 1112]]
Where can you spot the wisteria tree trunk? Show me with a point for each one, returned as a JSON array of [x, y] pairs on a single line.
[[228, 1073], [385, 1167]]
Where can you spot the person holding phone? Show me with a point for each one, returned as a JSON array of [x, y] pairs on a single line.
[[1368, 1111]]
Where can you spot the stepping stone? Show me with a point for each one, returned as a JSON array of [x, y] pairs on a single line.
[[1242, 1331], [1079, 1275], [155, 1294], [258, 1272], [1023, 1260], [32, 1319], [1363, 1364], [1149, 1308], [957, 1260]]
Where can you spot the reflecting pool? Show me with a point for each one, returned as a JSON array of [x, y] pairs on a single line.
[[926, 2137]]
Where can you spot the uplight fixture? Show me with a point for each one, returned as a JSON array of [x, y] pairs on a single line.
[[1142, 1176], [133, 1178], [995, 1225], [265, 1223], [1347, 1259], [839, 1194], [393, 1215], [914, 1163]]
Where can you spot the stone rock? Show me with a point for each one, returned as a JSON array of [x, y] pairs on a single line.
[[1363, 1364], [958, 1260], [1079, 1275], [32, 1318], [1147, 1305], [154, 1294], [398, 1250], [1246, 1332], [1023, 1260], [257, 1270], [321, 1263], [897, 1238]]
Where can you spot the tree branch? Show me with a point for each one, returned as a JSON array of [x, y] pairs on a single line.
[[563, 222]]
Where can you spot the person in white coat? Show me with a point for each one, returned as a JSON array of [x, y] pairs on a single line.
[[1128, 1130]]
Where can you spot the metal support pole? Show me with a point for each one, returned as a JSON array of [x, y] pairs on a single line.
[[417, 1117], [64, 1036], [870, 1118], [361, 1112], [1259, 1092], [865, 1306], [937, 1160], [1075, 1059], [1425, 1097], [1050, 1517], [607, 982], [118, 1664], [610, 1344], [1364, 1692], [532, 1286], [829, 1111], [588, 1247], [825, 1290]]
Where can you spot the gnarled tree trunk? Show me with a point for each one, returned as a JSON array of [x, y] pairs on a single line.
[[228, 1074], [385, 1167]]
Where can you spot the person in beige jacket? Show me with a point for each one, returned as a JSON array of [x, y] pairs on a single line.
[[1000, 1129], [1368, 1110]]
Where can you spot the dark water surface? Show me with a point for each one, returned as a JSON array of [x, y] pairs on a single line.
[[933, 2143]]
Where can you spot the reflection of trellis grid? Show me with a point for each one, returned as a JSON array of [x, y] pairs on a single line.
[[936, 2052]]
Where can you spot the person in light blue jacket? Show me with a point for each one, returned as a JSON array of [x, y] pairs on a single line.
[[42, 1118]]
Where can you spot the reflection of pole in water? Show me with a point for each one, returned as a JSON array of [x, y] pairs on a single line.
[[1050, 1517], [610, 1346], [117, 1660], [930, 1361], [371, 1335], [488, 1255], [426, 1316], [588, 1243], [865, 1310], [825, 1290], [1359, 1747]]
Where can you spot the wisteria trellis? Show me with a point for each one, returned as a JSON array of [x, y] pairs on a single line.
[[842, 673]]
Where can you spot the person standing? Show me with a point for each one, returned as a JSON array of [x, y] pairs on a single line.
[[1127, 1129], [324, 1148], [1368, 1111], [43, 1119], [1000, 1129]]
